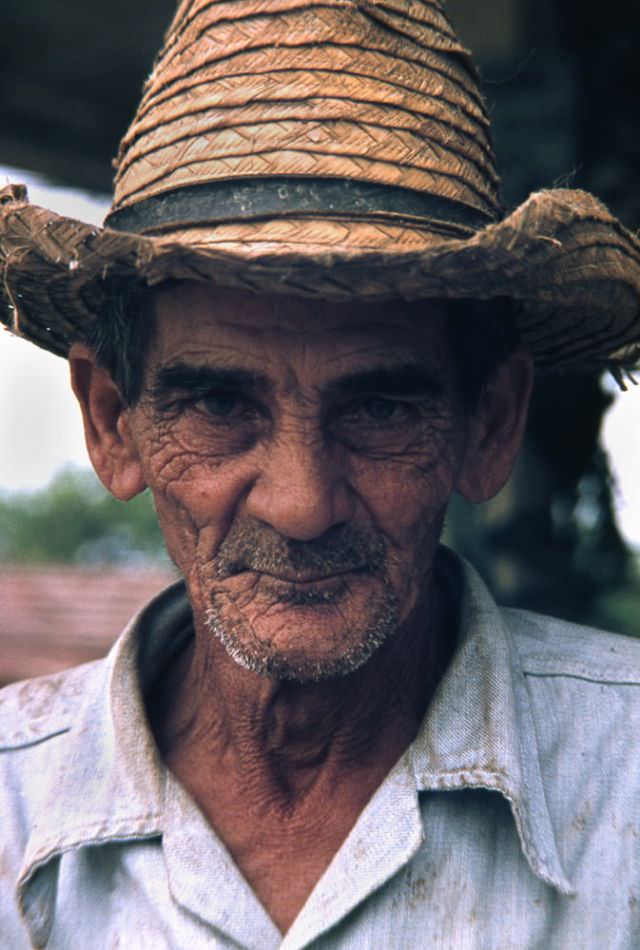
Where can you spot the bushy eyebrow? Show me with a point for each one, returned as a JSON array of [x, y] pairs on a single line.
[[182, 378], [406, 380], [410, 379]]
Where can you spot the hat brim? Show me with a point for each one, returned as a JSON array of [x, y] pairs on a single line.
[[574, 268]]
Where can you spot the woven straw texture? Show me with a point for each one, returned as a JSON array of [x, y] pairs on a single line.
[[372, 91], [379, 93]]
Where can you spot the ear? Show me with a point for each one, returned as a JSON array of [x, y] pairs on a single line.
[[109, 439], [496, 429]]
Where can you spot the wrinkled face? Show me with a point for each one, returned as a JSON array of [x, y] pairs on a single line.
[[301, 456]]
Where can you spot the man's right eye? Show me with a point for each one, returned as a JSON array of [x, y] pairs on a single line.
[[220, 405]]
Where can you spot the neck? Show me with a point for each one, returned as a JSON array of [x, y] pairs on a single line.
[[283, 737]]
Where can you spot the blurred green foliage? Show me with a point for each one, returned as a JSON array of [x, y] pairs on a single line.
[[74, 520], [619, 607], [576, 572]]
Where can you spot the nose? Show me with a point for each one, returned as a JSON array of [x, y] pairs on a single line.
[[300, 490]]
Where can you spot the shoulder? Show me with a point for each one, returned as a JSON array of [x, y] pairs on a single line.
[[39, 724], [35, 710], [38, 719], [579, 708], [579, 699], [549, 647]]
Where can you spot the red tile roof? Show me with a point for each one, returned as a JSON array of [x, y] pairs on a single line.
[[57, 616]]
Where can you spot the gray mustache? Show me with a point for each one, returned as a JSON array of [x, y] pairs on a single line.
[[252, 546]]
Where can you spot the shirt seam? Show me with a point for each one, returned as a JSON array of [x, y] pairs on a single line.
[[91, 836], [605, 678], [27, 742]]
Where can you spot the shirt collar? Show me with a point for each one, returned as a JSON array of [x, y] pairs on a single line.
[[479, 730]]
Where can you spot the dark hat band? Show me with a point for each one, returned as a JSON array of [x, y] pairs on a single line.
[[252, 199]]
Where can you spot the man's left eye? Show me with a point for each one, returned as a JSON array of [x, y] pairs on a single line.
[[380, 410], [376, 424], [373, 414], [376, 411]]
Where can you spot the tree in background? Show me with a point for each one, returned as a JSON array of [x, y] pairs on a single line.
[[75, 521]]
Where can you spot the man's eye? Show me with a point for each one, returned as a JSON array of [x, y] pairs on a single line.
[[377, 424], [375, 410], [380, 410], [219, 405]]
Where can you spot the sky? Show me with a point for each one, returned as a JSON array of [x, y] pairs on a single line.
[[40, 426]]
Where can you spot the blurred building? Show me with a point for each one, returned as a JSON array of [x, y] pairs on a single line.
[[56, 616]]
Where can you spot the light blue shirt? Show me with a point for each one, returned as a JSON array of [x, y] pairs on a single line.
[[512, 821]]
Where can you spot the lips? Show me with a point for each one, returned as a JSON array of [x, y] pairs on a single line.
[[301, 578]]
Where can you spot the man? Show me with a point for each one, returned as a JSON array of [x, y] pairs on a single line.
[[305, 326]]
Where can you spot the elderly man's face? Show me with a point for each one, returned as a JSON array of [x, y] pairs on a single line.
[[301, 456]]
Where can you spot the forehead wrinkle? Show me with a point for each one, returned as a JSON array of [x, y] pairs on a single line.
[[193, 301], [202, 309], [289, 323]]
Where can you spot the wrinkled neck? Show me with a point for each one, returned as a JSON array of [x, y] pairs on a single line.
[[284, 734]]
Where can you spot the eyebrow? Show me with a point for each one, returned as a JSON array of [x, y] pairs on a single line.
[[184, 378], [410, 379]]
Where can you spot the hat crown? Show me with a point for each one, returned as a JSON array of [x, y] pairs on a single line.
[[376, 92]]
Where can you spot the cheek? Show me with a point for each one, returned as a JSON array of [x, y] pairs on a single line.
[[406, 496], [411, 516], [407, 504], [196, 497]]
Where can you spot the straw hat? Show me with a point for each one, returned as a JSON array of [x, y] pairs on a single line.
[[336, 149]]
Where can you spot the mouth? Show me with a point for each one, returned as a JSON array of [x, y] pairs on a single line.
[[309, 579], [300, 590]]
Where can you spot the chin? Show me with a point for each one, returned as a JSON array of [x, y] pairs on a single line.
[[308, 638]]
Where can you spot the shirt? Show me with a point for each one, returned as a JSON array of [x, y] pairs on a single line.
[[512, 820]]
